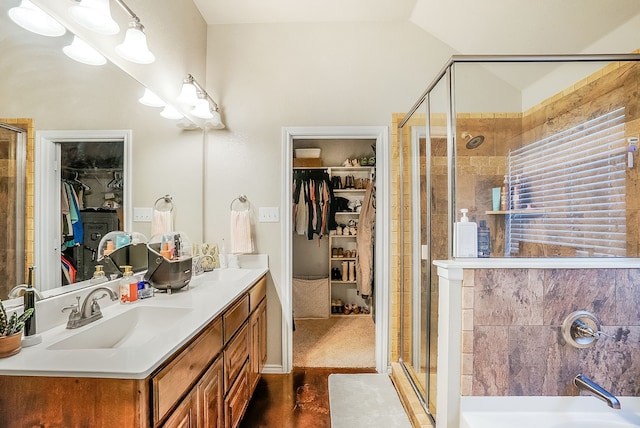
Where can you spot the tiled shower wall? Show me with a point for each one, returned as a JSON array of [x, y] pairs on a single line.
[[512, 341]]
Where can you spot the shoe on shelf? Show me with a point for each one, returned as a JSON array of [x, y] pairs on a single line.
[[340, 252]]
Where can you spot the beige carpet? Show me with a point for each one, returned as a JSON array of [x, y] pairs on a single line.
[[334, 342]]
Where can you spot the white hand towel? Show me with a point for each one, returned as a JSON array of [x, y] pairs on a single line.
[[161, 222], [241, 241]]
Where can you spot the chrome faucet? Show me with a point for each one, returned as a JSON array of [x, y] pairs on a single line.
[[90, 309], [586, 384]]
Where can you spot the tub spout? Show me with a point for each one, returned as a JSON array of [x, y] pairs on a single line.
[[585, 384]]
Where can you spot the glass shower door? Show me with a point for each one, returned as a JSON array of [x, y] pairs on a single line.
[[12, 194]]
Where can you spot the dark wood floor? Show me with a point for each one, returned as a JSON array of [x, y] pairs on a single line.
[[296, 400]]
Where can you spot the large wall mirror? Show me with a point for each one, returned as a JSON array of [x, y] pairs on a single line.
[[49, 95]]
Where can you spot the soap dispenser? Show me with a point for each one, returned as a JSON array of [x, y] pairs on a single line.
[[30, 336], [126, 295], [98, 275], [465, 237]]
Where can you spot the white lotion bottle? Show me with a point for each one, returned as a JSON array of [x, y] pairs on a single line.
[[465, 237]]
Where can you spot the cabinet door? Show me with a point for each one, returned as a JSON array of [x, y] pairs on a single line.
[[262, 311], [235, 355], [237, 399], [258, 353], [254, 351], [184, 416], [210, 401]]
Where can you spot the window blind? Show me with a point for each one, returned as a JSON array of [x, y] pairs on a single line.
[[568, 190]]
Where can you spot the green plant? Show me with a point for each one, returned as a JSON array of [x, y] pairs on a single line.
[[13, 324]]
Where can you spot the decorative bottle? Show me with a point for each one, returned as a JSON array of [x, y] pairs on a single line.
[[484, 240]]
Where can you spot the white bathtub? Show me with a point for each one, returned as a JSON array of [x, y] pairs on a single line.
[[547, 412]]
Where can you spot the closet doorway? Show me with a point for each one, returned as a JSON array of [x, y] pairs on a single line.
[[94, 168], [335, 237]]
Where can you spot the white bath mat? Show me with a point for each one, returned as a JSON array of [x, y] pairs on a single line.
[[365, 400]]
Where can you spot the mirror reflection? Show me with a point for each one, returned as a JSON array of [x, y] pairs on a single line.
[[49, 92]]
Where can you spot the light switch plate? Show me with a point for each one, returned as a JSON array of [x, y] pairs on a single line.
[[142, 214], [269, 214]]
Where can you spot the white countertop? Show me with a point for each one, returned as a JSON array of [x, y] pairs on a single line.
[[205, 298]]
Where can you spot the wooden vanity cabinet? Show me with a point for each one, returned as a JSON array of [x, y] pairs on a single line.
[[208, 383], [221, 395]]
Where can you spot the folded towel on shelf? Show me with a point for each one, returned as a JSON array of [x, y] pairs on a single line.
[[241, 241], [161, 222]]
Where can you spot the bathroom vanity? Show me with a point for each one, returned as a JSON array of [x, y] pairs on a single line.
[[190, 359]]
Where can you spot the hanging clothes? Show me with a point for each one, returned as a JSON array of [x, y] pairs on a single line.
[[365, 241], [312, 198], [72, 229]]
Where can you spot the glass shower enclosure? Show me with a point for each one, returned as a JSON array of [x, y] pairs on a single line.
[[541, 150]]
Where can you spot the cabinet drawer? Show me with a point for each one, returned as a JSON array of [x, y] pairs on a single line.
[[235, 316], [257, 293], [237, 400], [235, 355], [182, 372]]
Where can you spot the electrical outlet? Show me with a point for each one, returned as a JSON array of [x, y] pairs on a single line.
[[269, 214], [142, 214]]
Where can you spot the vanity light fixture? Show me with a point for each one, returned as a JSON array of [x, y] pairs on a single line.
[[95, 15], [170, 112], [32, 18], [80, 51], [134, 48], [204, 106], [149, 98], [188, 93], [216, 121]]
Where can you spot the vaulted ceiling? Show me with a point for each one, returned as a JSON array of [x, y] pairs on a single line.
[[468, 26]]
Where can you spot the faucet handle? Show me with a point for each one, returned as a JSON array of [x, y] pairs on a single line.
[[73, 308], [95, 307]]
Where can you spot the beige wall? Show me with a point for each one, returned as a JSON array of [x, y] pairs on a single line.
[[321, 74]]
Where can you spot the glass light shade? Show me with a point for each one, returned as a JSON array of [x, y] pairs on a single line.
[[188, 94], [32, 18], [95, 15], [171, 113], [215, 120], [150, 99], [187, 125], [202, 109], [134, 48], [80, 51]]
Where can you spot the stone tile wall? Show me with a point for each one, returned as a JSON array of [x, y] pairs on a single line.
[[512, 339]]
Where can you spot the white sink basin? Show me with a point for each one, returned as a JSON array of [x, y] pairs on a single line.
[[130, 329]]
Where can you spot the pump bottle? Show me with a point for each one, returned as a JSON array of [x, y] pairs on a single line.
[[465, 237]]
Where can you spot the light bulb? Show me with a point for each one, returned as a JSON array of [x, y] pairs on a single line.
[[150, 99], [134, 48], [95, 15], [202, 109], [170, 112], [80, 51], [32, 18], [188, 94]]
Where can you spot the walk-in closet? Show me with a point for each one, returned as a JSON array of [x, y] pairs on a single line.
[[333, 209], [92, 182]]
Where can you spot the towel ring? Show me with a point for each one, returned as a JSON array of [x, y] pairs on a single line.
[[243, 200], [164, 203]]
